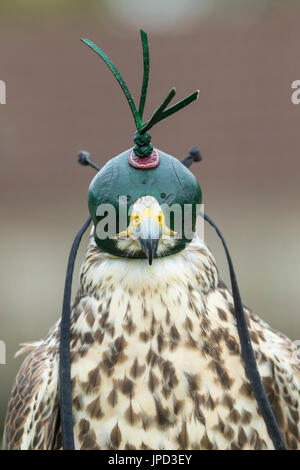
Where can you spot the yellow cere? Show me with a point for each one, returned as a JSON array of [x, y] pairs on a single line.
[[137, 218]]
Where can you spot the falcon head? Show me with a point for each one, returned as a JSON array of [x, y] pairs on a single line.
[[148, 233], [140, 213], [147, 177]]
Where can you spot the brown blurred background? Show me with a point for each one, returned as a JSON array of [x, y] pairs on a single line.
[[61, 98]]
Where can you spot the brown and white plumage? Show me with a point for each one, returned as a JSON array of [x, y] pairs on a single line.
[[156, 363]]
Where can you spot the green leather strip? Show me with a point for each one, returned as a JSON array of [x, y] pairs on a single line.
[[120, 80], [161, 112], [158, 112], [181, 104], [145, 46]]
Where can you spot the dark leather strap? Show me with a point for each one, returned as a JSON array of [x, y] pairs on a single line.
[[64, 349], [248, 353]]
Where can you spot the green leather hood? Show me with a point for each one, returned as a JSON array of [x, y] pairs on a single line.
[[169, 183]]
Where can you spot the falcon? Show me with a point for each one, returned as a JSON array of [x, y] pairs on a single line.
[[155, 352], [155, 358]]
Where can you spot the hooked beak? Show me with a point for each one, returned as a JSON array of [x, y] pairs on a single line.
[[150, 233]]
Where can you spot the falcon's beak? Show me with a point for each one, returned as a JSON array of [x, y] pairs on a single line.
[[150, 233]]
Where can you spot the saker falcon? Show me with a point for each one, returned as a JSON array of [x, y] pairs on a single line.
[[156, 359]]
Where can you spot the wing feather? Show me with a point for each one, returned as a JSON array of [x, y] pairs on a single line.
[[278, 360], [33, 409]]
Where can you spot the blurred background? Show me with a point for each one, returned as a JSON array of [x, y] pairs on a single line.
[[242, 55]]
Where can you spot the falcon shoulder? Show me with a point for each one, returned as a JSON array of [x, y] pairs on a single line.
[[33, 410], [278, 360]]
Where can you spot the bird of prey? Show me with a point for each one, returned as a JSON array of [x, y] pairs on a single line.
[[155, 359], [156, 345]]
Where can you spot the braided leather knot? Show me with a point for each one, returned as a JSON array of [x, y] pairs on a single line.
[[143, 146]]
